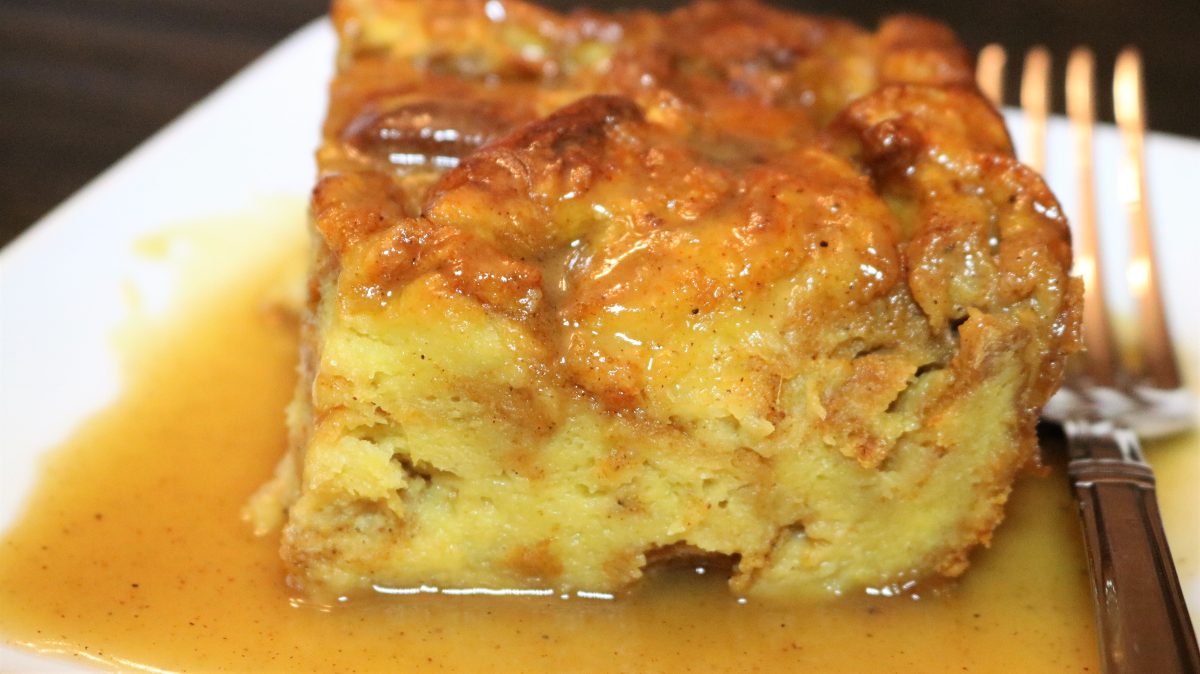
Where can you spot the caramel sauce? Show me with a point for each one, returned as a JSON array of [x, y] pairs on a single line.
[[131, 553]]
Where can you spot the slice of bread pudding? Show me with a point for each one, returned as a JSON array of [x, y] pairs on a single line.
[[592, 291]]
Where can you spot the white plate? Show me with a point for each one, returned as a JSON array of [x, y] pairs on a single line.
[[63, 284]]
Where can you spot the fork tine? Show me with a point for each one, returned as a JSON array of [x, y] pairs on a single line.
[[1099, 360], [1035, 100], [989, 73], [1156, 361]]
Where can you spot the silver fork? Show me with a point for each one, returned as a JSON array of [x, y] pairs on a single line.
[[1109, 400]]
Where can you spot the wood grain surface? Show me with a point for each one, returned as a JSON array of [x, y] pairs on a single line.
[[82, 82]]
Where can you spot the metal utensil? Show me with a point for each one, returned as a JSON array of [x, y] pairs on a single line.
[[1109, 400]]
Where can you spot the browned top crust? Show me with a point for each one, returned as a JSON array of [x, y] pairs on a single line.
[[574, 170]]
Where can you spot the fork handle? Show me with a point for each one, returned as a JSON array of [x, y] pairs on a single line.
[[1143, 620]]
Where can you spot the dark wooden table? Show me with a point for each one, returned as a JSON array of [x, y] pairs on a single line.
[[84, 81]]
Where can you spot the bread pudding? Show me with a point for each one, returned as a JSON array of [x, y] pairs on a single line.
[[593, 291]]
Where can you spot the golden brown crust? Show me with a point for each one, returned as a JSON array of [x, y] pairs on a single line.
[[916, 50], [753, 245]]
